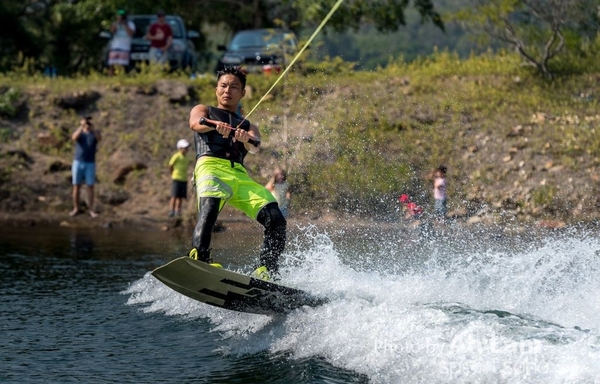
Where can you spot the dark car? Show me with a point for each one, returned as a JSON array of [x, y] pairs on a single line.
[[259, 50], [182, 53]]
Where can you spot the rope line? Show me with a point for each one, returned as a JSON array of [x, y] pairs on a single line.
[[315, 33]]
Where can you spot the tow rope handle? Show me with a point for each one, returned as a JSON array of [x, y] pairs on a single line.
[[203, 121]]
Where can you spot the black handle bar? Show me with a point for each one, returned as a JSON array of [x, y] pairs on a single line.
[[203, 121]]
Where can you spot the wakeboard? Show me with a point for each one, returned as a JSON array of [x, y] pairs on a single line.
[[230, 290]]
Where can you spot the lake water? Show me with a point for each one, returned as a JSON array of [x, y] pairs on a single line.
[[461, 305]]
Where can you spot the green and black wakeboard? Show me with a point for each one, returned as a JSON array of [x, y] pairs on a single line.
[[230, 290]]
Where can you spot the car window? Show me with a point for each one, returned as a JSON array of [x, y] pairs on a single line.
[[259, 38], [141, 26], [245, 40], [143, 23], [290, 39], [176, 27]]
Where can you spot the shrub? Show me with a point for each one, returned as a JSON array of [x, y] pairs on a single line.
[[9, 102]]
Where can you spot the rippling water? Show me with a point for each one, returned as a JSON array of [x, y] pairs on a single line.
[[471, 305]]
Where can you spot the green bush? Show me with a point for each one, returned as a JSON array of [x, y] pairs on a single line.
[[9, 102], [544, 195], [5, 135]]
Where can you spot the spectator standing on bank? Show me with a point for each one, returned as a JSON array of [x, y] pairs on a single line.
[[439, 193], [160, 35], [120, 46], [280, 189], [178, 167], [86, 140]]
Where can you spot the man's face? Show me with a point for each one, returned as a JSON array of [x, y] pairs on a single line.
[[229, 91], [161, 19]]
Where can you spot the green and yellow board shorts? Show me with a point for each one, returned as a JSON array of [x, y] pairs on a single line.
[[215, 177]]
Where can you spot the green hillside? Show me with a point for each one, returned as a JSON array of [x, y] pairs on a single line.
[[517, 146]]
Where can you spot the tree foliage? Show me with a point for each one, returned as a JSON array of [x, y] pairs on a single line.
[[385, 15], [64, 33], [535, 28]]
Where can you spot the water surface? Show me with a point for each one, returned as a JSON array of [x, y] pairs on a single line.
[[453, 306]]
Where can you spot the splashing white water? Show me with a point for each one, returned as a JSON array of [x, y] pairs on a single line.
[[477, 316]]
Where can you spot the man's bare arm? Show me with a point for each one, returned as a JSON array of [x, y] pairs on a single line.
[[198, 112], [254, 134]]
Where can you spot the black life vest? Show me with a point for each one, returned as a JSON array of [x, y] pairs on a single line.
[[212, 143]]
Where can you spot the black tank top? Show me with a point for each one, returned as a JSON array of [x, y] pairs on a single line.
[[212, 143]]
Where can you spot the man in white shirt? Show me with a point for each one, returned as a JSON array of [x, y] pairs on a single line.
[[120, 45]]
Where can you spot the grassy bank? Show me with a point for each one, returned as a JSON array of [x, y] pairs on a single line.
[[516, 146]]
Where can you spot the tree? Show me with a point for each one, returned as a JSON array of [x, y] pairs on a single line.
[[64, 33], [535, 28], [385, 15]]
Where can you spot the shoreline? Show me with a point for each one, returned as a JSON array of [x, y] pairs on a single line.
[[233, 219]]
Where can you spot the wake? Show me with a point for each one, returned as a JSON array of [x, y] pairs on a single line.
[[449, 310]]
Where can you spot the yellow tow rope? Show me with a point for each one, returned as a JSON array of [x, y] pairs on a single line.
[[333, 9]]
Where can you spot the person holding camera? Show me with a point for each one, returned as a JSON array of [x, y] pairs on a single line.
[[86, 140], [120, 46]]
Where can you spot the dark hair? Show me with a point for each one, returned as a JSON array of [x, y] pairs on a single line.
[[443, 169], [235, 71], [280, 172]]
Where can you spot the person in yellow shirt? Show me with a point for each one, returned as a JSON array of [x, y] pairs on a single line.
[[178, 166]]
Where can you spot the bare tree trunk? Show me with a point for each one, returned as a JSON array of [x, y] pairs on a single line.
[[258, 14]]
